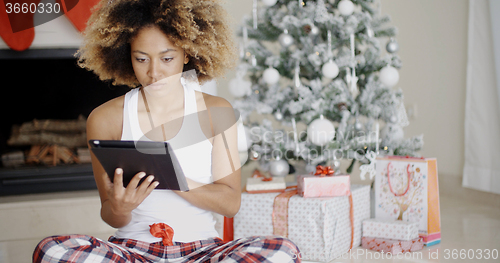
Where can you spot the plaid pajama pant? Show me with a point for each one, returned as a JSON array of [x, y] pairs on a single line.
[[83, 248]]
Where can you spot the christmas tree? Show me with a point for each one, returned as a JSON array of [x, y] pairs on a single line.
[[320, 62]]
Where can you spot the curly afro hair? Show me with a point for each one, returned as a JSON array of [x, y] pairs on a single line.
[[197, 26]]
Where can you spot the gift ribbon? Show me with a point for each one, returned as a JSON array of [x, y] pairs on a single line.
[[163, 231], [407, 182], [323, 171], [280, 213]]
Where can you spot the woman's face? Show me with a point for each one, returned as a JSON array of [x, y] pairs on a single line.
[[155, 57]]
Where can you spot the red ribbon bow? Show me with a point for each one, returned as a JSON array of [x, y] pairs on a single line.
[[162, 231], [322, 171]]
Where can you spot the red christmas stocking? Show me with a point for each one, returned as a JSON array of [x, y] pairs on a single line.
[[17, 32], [78, 11]]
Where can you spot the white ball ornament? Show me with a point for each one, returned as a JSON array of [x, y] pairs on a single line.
[[392, 132], [269, 2], [271, 76], [240, 87], [314, 30], [320, 131], [389, 76], [346, 7], [279, 168], [285, 39], [330, 70]]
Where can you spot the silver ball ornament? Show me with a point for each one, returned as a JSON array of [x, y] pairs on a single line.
[[285, 40], [254, 155], [279, 168], [278, 115], [358, 125], [314, 30], [393, 119], [392, 46], [269, 2]]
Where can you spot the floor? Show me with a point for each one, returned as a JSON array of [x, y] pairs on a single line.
[[469, 230]]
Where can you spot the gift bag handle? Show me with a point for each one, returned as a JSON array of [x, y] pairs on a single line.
[[407, 182]]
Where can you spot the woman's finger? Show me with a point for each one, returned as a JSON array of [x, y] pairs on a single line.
[[118, 179], [150, 188], [135, 181], [145, 184]]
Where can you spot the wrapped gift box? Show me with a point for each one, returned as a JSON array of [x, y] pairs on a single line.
[[316, 186], [392, 246], [397, 229], [320, 227], [406, 188], [272, 184]]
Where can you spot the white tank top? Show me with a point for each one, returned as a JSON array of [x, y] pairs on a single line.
[[190, 223]]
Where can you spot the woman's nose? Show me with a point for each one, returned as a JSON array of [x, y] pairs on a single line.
[[154, 71]]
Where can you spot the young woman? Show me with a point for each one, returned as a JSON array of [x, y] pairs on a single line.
[[150, 45]]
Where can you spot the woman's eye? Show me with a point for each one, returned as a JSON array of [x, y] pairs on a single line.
[[140, 59], [167, 59]]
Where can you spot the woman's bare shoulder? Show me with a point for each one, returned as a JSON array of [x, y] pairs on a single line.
[[106, 121], [215, 101]]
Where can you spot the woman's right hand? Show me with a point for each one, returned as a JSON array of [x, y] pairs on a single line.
[[123, 200]]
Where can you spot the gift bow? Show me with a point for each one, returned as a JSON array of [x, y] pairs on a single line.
[[163, 231], [322, 171]]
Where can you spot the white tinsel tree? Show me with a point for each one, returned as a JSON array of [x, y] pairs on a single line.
[[319, 62]]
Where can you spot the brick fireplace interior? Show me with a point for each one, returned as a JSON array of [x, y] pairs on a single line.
[[47, 88]]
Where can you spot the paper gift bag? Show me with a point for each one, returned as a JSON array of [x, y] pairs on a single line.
[[320, 227], [407, 189]]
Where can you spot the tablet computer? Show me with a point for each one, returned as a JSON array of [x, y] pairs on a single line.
[[153, 158]]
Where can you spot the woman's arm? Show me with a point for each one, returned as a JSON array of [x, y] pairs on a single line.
[[224, 195], [117, 202]]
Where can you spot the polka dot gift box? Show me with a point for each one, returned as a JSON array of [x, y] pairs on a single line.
[[396, 229], [320, 227]]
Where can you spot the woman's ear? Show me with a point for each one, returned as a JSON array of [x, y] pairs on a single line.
[[186, 58]]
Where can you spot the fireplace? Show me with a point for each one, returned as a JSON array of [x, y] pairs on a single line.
[[46, 88]]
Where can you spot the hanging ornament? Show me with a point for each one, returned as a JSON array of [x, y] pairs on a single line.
[[330, 69], [240, 87], [285, 39], [393, 119], [389, 76], [269, 2], [244, 140], [254, 12], [254, 155], [320, 131], [314, 30], [369, 168], [279, 167], [353, 87], [278, 115], [296, 76], [392, 46], [391, 133], [358, 125], [346, 7], [369, 32], [295, 137], [271, 76]]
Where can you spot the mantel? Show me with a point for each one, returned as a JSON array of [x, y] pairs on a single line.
[[55, 39], [46, 53]]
